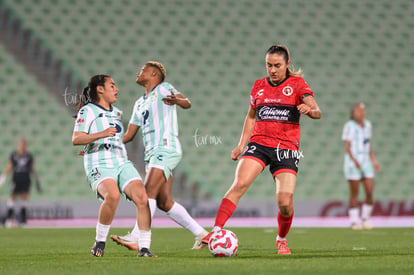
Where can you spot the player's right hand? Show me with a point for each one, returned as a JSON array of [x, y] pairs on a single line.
[[109, 132], [236, 153]]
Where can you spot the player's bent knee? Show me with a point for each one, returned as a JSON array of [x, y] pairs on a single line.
[[240, 186], [140, 199], [112, 198], [285, 210]]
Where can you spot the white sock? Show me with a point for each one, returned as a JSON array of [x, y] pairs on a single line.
[[180, 215], [366, 211], [280, 239], [9, 204], [152, 206], [354, 215], [102, 231], [135, 231], [144, 239]]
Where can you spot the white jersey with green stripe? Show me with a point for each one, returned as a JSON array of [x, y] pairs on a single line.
[[106, 152], [360, 138], [157, 120]]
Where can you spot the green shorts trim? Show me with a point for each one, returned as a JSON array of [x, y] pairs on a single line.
[[163, 159], [123, 175]]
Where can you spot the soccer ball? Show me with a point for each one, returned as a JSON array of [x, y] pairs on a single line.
[[223, 243]]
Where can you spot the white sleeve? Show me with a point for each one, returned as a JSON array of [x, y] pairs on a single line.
[[167, 88], [136, 116], [83, 120]]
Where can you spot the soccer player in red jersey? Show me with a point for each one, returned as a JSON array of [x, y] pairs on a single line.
[[272, 130]]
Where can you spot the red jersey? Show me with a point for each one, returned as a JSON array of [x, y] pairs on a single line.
[[277, 116]]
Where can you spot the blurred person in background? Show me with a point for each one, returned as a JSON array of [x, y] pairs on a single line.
[[21, 163], [156, 114], [99, 128], [360, 165], [272, 130]]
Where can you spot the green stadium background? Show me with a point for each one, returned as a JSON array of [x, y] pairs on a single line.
[[213, 50]]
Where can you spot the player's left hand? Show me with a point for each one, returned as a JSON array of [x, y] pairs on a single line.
[[304, 109], [377, 167], [170, 99], [236, 152], [39, 187]]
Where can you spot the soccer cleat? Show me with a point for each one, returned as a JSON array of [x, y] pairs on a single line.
[[282, 248], [355, 226], [206, 238], [98, 249], [128, 241], [366, 224], [144, 252], [198, 244]]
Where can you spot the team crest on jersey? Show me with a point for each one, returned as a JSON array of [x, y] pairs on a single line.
[[95, 174], [287, 91], [260, 93]]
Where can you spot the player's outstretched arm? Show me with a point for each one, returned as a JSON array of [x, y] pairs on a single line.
[[178, 99]]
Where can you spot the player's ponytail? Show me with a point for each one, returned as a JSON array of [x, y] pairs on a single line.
[[89, 93]]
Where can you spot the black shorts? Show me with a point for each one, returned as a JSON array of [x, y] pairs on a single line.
[[280, 160], [19, 187]]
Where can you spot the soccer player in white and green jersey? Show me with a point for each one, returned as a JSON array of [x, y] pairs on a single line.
[[109, 172], [155, 113], [359, 165]]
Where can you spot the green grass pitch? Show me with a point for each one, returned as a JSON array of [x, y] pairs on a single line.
[[314, 251]]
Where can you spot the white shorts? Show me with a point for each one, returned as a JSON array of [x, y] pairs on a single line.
[[123, 175], [163, 159], [351, 172]]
